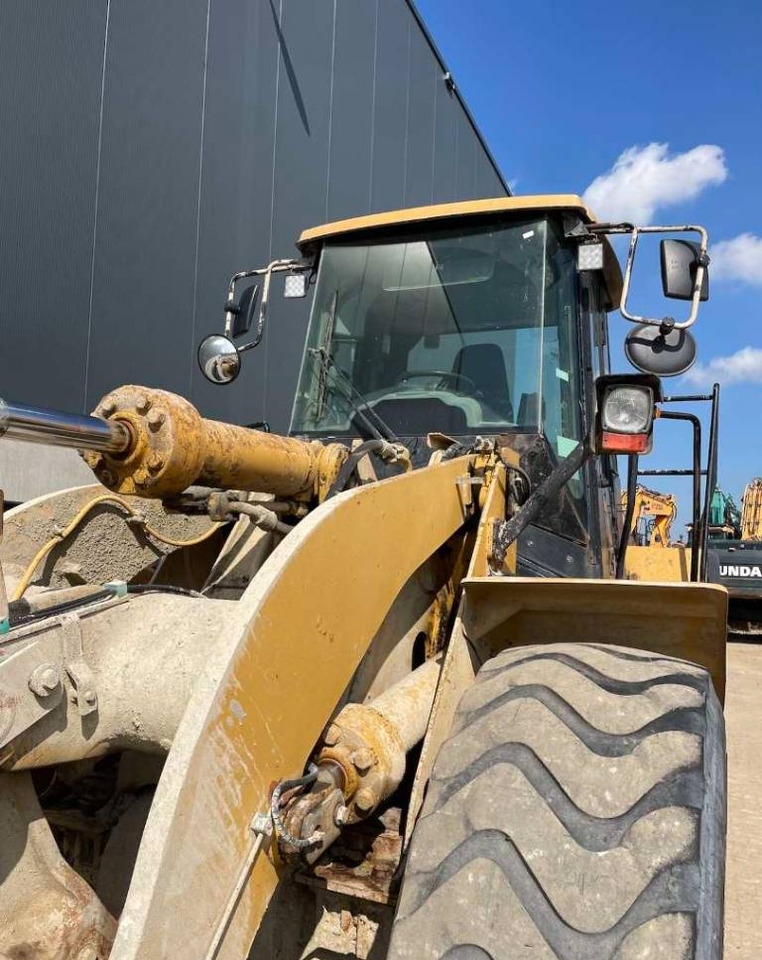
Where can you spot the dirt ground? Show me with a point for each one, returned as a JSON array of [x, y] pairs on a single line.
[[743, 717]]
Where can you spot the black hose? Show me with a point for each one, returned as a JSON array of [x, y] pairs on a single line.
[[20, 613], [454, 450], [350, 465], [139, 588]]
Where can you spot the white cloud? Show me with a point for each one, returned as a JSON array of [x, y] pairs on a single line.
[[743, 366], [738, 259], [644, 179]]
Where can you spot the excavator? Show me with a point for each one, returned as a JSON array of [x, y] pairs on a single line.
[[751, 515], [376, 688], [661, 508], [735, 559]]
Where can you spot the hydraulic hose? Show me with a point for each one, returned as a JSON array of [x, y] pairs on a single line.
[[383, 448], [21, 613]]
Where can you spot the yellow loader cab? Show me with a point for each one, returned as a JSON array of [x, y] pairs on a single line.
[[378, 688], [463, 319]]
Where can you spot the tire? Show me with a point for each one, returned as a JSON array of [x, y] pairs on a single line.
[[577, 812]]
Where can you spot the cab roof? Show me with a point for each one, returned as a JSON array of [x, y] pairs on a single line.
[[468, 208]]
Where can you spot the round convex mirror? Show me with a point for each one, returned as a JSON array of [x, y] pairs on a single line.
[[665, 354], [218, 359]]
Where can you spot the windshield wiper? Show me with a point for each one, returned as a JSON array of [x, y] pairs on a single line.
[[323, 349], [357, 400]]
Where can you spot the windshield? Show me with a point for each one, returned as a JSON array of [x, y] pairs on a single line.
[[460, 331]]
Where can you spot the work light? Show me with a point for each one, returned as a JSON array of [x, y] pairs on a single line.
[[626, 406], [627, 409]]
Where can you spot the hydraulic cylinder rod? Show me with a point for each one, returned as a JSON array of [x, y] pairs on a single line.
[[151, 443], [20, 421]]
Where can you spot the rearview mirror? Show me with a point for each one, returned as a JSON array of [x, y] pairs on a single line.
[[679, 262], [218, 359], [243, 313]]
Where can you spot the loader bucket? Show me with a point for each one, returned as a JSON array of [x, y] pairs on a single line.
[[681, 620]]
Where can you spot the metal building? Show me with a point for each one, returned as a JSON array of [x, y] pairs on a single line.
[[149, 150]]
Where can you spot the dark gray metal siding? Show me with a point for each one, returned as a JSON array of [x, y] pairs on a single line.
[[151, 149]]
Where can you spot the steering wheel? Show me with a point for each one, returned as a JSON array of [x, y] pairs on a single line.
[[450, 375]]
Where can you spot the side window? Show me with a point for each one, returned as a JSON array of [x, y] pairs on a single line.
[[562, 413]]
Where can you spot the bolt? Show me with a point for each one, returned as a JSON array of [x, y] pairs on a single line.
[[362, 759], [155, 463], [155, 419], [332, 735], [44, 680], [108, 407], [365, 801], [91, 698], [142, 403], [341, 815]]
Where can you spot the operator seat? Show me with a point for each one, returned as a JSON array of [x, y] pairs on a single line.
[[484, 364], [529, 410]]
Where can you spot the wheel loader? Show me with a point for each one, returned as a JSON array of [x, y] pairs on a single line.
[[374, 688]]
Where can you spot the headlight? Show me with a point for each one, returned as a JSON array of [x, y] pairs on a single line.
[[627, 409]]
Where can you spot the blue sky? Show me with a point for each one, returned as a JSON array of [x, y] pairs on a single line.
[[562, 90]]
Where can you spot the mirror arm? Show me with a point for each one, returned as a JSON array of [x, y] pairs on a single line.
[[277, 266], [634, 232], [231, 308]]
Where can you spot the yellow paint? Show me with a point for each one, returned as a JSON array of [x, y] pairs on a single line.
[[464, 208], [677, 619], [256, 716], [751, 516], [661, 506], [656, 564], [173, 447], [494, 509], [468, 209]]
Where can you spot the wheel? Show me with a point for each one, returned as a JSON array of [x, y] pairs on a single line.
[[577, 811]]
